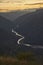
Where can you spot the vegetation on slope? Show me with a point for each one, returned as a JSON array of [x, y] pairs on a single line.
[[21, 59]]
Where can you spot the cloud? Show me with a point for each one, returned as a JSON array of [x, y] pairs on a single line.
[[21, 1]]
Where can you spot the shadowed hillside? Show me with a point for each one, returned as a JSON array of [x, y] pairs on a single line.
[[8, 44], [31, 27], [5, 24], [8, 40]]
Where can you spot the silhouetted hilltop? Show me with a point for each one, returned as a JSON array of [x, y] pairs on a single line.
[[12, 15]]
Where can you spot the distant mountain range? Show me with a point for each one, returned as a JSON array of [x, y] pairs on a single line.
[[16, 13]]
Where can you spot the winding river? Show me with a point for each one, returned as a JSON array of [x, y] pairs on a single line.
[[22, 37]]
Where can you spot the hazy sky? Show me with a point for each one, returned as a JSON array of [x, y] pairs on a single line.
[[8, 5], [22, 1]]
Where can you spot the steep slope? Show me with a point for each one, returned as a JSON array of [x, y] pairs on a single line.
[[8, 40], [31, 27], [5, 24], [8, 43]]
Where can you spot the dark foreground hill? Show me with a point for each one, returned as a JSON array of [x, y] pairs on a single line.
[[31, 27]]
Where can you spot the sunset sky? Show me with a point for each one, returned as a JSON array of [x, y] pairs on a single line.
[[22, 1], [8, 5]]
